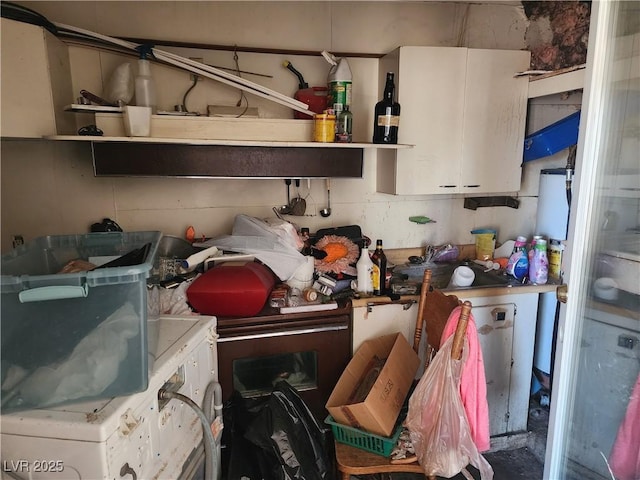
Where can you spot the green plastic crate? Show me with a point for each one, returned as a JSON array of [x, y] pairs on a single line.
[[364, 440]]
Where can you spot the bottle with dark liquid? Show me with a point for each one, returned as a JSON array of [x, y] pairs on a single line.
[[386, 117], [379, 271]]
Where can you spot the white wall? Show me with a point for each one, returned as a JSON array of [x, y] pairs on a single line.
[[49, 187]]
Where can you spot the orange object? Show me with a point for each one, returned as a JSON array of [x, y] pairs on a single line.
[[190, 234], [502, 261]]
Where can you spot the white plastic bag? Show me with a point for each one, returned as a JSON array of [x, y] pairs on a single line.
[[120, 85], [437, 421], [275, 245], [92, 366]]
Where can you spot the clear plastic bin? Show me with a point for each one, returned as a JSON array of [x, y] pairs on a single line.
[[69, 337]]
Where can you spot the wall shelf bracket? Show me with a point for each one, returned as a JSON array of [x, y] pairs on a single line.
[[473, 203]]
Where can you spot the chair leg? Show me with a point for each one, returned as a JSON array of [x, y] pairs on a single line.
[[346, 476]]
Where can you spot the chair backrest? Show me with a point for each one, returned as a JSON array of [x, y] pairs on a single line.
[[434, 309]]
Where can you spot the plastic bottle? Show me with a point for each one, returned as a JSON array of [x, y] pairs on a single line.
[[386, 117], [379, 275], [532, 247], [518, 264], [339, 82], [539, 267], [364, 267], [344, 126], [145, 86]]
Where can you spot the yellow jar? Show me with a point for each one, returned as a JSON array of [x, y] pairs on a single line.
[[324, 128]]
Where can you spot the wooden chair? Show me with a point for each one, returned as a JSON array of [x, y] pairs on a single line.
[[434, 309]]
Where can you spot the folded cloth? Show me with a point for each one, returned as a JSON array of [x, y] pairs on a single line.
[[625, 454], [473, 384]]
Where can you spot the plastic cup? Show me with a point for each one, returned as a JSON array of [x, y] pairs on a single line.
[[137, 121], [462, 277]]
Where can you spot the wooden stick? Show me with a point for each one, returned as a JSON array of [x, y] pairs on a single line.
[[461, 330], [426, 282]]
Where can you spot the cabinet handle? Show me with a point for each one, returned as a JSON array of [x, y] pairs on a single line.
[[627, 341], [447, 186], [471, 186]]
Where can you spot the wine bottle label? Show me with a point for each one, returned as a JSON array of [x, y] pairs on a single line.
[[388, 120]]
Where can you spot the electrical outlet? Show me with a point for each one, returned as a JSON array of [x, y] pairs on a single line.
[[172, 385], [194, 77], [17, 240]]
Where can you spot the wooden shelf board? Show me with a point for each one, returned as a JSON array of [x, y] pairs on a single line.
[[238, 143]]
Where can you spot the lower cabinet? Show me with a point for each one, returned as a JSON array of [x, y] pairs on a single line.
[[611, 360], [506, 327]]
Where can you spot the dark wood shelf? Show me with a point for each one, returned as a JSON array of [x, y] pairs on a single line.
[[228, 161]]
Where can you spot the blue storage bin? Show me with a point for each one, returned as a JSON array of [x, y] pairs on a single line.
[[70, 337], [552, 139]]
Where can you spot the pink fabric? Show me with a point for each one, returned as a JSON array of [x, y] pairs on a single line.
[[625, 454], [473, 384]]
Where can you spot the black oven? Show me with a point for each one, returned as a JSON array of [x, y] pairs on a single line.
[[309, 350]]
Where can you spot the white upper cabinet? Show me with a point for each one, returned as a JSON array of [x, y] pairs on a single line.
[[36, 82], [465, 112]]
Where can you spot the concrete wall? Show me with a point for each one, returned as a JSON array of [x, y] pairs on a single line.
[[49, 187]]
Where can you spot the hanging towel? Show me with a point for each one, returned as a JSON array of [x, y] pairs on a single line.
[[473, 384], [625, 454]]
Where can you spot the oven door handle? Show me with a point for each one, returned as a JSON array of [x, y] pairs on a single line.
[[283, 333]]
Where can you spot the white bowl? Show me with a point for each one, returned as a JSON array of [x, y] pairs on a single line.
[[605, 288]]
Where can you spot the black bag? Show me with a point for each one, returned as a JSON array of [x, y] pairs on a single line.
[[277, 438]]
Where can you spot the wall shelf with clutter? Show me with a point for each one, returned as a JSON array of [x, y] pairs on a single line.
[[180, 157]]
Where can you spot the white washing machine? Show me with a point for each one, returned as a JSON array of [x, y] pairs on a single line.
[[124, 437]]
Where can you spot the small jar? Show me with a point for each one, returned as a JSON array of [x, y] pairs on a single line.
[[324, 128]]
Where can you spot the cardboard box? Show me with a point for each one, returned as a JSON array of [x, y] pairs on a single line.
[[378, 411]]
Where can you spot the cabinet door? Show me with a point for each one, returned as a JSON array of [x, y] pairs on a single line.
[[611, 358], [494, 121], [430, 85], [495, 322], [464, 112], [36, 82], [383, 319]]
